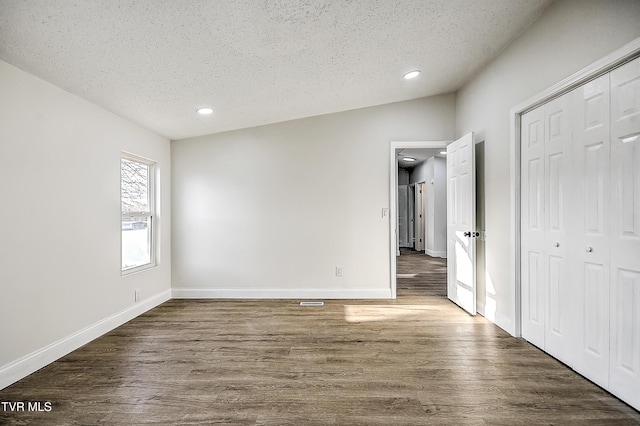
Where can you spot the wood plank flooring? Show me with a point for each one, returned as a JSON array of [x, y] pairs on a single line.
[[418, 360]]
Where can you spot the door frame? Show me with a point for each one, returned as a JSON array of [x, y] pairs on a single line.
[[423, 221], [393, 197], [412, 213], [626, 53]]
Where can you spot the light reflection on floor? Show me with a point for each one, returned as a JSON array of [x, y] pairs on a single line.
[[371, 313]]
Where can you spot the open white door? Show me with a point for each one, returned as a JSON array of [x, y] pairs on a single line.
[[461, 222]]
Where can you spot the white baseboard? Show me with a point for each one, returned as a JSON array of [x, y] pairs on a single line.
[[480, 308], [34, 361], [505, 323], [434, 253], [235, 293]]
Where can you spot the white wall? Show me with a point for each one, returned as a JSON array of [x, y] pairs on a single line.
[[404, 237], [60, 222], [439, 208], [419, 173], [271, 211], [567, 37], [403, 176], [434, 172]]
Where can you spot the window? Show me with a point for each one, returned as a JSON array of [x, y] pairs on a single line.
[[138, 213]]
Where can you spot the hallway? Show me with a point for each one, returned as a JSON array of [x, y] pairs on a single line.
[[421, 275]]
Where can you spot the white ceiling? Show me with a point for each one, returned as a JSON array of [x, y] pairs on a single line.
[[255, 62], [420, 154]]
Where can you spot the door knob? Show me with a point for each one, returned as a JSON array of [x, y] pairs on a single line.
[[467, 234], [556, 244], [589, 249]]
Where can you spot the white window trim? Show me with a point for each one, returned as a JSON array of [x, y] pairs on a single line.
[[151, 214]]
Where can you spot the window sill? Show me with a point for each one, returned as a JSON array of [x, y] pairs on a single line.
[[138, 269]]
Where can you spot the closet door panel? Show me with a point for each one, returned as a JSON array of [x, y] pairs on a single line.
[[625, 336], [556, 321], [591, 248], [625, 229], [557, 155], [596, 336], [533, 227]]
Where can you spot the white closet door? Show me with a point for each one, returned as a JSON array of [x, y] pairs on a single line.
[[625, 229], [532, 227], [546, 284], [558, 162], [591, 168]]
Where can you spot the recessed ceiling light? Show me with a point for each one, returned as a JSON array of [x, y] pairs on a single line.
[[204, 111], [443, 152], [408, 159], [411, 74]]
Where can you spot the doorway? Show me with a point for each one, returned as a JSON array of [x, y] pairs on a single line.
[[396, 148]]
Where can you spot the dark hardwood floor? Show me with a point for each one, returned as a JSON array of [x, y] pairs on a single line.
[[417, 360]]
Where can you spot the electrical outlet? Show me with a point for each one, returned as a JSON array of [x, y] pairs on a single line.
[[339, 271], [136, 295]]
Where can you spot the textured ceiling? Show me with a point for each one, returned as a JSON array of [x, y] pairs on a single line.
[[255, 62], [420, 154]]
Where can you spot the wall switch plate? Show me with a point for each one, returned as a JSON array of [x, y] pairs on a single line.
[[385, 212], [339, 271]]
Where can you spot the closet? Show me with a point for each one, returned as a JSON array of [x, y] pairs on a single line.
[[580, 229]]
